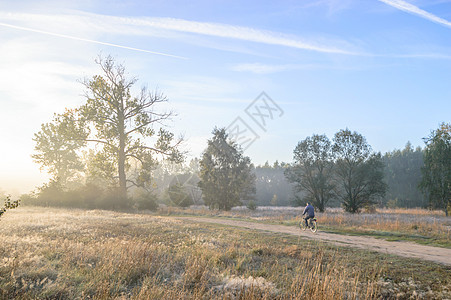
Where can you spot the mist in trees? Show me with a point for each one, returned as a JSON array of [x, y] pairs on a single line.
[[57, 145], [347, 170], [127, 130], [403, 175], [114, 151], [436, 181], [123, 125], [311, 171], [359, 171], [272, 187], [226, 175]]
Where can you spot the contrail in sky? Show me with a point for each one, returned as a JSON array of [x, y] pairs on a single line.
[[191, 27], [234, 32], [407, 7], [88, 40]]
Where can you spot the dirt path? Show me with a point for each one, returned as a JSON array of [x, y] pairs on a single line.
[[435, 254]]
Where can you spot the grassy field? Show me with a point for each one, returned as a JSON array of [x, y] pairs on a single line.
[[416, 225], [76, 254]]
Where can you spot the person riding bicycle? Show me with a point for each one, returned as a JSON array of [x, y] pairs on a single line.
[[309, 211]]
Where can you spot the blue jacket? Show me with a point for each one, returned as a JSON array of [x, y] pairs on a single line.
[[309, 210]]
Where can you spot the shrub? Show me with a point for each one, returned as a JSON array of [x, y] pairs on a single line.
[[252, 205], [88, 196], [112, 199], [370, 209], [179, 196], [9, 205], [146, 201]]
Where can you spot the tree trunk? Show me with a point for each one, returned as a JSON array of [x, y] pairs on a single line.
[[121, 156], [447, 208], [121, 170]]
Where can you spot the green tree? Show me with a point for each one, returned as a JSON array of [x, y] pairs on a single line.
[[124, 123], [272, 187], [226, 175], [359, 172], [128, 132], [403, 175], [57, 145], [179, 196], [312, 170], [8, 204], [436, 181]]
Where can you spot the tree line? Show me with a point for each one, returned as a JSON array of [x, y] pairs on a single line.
[[115, 150], [346, 170]]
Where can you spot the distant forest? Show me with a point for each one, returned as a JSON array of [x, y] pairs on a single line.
[[402, 175]]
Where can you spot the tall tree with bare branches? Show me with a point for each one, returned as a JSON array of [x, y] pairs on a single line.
[[128, 131], [125, 125]]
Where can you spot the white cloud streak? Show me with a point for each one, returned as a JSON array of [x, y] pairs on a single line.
[[410, 8], [258, 68], [237, 32], [147, 26], [87, 40]]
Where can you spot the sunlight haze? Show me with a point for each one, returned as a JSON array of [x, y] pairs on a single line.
[[381, 68]]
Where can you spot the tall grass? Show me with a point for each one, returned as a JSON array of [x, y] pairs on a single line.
[[62, 254], [408, 222], [416, 224]]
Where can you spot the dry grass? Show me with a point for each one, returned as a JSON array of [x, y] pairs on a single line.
[[418, 225], [412, 211], [63, 254]]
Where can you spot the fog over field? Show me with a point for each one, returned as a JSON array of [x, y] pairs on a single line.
[[381, 68], [225, 149]]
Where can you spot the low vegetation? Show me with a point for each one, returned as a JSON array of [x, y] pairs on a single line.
[[416, 225], [61, 254], [412, 225], [8, 204]]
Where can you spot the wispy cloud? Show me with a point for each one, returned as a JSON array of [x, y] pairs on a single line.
[[259, 68], [263, 69], [88, 40], [410, 8], [239, 33], [423, 56], [148, 26]]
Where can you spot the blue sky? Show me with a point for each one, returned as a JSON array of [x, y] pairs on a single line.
[[382, 68]]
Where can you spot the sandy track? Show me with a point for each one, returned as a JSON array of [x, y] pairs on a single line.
[[406, 249]]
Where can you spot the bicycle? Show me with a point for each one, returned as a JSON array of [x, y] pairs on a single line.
[[312, 224]]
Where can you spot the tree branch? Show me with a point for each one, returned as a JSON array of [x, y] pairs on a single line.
[[135, 157], [100, 141], [147, 123]]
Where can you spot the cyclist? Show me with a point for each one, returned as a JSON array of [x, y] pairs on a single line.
[[309, 211]]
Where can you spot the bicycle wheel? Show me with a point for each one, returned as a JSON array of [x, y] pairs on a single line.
[[302, 225], [313, 226]]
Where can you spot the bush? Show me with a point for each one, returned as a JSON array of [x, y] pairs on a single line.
[[88, 196], [370, 209], [111, 199], [9, 205], [392, 203], [179, 196], [252, 205], [146, 201]]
